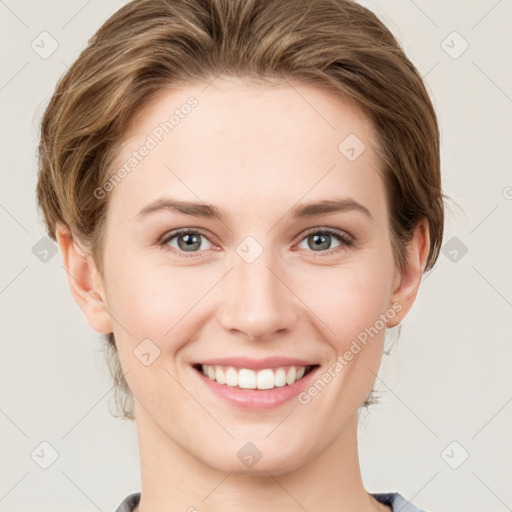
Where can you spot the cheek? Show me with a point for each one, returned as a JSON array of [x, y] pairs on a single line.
[[151, 299], [350, 306], [157, 302], [348, 301], [157, 308]]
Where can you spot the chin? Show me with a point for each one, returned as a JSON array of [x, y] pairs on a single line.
[[274, 464], [264, 473]]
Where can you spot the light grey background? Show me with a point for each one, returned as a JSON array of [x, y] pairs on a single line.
[[448, 379]]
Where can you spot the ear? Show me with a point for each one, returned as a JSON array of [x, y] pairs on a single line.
[[409, 279], [84, 281]]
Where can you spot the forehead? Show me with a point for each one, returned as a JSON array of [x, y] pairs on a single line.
[[237, 142]]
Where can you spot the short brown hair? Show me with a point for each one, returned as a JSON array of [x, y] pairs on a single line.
[[149, 45]]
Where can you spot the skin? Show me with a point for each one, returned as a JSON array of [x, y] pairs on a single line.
[[255, 151]]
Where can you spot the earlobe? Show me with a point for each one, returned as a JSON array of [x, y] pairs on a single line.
[[84, 281], [412, 272]]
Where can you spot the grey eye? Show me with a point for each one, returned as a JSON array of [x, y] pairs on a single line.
[[321, 241], [188, 241]]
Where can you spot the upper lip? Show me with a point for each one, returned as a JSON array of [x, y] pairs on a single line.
[[256, 364]]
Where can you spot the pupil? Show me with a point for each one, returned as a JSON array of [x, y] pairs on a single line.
[[319, 238], [189, 241]]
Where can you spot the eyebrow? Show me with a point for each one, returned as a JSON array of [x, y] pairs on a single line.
[[307, 210]]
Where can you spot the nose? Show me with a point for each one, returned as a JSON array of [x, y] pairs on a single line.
[[256, 299]]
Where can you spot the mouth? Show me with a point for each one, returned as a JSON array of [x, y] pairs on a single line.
[[247, 378]]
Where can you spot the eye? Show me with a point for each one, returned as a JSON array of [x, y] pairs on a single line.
[[184, 241], [320, 240], [190, 241]]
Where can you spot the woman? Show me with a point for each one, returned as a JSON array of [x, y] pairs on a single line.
[[246, 195]]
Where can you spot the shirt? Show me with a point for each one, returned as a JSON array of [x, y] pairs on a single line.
[[395, 500]]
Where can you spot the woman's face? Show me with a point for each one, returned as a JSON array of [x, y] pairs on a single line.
[[253, 281]]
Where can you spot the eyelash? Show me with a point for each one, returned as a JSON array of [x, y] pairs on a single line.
[[342, 237]]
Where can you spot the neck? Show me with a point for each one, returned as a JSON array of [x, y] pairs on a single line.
[[172, 479]]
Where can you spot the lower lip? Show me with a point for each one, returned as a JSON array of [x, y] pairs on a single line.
[[256, 399]]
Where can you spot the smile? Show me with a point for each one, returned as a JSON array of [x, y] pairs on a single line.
[[245, 378]]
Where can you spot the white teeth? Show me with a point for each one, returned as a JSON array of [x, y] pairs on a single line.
[[246, 379], [265, 379], [280, 377], [231, 377], [251, 379], [291, 375], [220, 376]]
